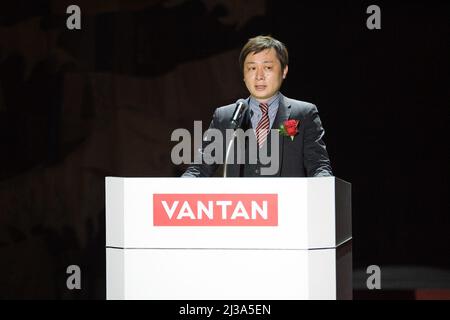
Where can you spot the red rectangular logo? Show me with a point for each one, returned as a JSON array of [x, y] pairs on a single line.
[[206, 210]]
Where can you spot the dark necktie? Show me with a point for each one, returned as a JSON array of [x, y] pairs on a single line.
[[262, 129]]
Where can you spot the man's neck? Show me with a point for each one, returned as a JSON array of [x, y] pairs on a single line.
[[268, 100]]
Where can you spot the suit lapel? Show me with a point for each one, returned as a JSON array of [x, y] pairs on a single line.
[[283, 113]]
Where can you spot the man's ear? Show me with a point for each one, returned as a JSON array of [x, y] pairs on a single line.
[[285, 71]]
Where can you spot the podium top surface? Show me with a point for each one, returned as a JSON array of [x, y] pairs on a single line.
[[231, 213]]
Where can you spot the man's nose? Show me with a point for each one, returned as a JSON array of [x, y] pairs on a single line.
[[259, 74]]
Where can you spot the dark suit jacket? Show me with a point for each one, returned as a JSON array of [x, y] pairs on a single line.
[[305, 156]]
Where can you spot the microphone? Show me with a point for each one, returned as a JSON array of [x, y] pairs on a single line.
[[241, 107]]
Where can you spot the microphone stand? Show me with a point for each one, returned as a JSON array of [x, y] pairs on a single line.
[[230, 144], [227, 154]]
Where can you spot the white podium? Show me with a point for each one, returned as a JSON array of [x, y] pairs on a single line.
[[228, 239]]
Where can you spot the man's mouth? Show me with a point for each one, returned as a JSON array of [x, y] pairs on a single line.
[[260, 87]]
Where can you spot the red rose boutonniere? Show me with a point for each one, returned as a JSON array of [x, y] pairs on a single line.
[[289, 128]]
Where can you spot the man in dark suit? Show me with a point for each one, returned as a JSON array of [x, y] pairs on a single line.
[[301, 151]]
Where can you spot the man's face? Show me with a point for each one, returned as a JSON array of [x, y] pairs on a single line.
[[262, 74]]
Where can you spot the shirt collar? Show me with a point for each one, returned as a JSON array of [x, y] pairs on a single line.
[[254, 104]]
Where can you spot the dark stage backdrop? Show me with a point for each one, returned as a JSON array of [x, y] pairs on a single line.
[[77, 105]]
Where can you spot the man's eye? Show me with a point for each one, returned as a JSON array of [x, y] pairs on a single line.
[[268, 68]]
